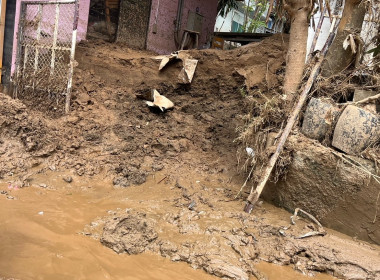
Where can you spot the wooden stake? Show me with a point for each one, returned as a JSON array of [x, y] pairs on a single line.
[[2, 25], [72, 57], [317, 32], [255, 194]]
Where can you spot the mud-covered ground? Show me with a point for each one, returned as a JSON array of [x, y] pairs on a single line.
[[187, 213], [198, 221]]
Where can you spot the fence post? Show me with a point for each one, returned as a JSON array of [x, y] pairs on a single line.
[[72, 57]]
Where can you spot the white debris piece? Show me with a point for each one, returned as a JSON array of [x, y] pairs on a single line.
[[160, 101]]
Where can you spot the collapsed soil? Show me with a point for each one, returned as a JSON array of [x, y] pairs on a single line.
[[110, 130]]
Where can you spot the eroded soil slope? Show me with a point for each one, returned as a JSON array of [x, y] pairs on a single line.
[[110, 129]]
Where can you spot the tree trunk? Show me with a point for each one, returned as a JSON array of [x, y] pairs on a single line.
[[299, 11], [338, 58]]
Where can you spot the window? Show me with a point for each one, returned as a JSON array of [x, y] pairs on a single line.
[[236, 27]]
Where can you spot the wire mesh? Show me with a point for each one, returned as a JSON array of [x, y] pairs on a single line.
[[44, 47]]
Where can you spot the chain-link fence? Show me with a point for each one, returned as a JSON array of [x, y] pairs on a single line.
[[45, 50]]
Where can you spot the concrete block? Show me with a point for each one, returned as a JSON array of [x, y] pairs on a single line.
[[319, 116], [355, 130]]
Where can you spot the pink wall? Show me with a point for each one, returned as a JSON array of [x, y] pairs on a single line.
[[163, 41], [84, 8]]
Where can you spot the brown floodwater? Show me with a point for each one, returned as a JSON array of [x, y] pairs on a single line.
[[40, 236]]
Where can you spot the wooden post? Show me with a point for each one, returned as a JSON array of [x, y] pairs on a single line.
[[72, 57], [317, 31], [2, 25], [52, 63], [255, 194], [38, 37]]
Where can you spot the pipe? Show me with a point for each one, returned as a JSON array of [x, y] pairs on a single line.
[[178, 23]]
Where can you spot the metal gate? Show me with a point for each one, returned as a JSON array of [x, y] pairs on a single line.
[[45, 50]]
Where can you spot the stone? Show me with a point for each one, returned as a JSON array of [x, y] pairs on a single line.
[[356, 130], [319, 116], [68, 179], [360, 94]]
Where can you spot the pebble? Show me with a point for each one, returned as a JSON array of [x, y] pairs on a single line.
[[68, 179]]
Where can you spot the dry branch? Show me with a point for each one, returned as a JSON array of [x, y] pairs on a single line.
[[368, 99]]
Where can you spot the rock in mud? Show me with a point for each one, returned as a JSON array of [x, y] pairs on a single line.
[[121, 182], [68, 179], [356, 130], [319, 116], [130, 234]]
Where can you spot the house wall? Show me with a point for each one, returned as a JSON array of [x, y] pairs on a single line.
[[163, 15], [224, 24], [84, 7]]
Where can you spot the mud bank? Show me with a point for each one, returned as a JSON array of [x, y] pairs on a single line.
[[341, 196], [198, 222]]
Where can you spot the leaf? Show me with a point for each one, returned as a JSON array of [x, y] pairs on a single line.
[[375, 51], [350, 41]]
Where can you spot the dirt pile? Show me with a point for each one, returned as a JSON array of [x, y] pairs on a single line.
[[110, 130], [198, 223], [24, 138]]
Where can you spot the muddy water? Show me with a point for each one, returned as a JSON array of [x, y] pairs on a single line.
[[40, 236]]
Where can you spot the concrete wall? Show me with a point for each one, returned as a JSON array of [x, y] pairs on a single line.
[[339, 195], [84, 7], [163, 15]]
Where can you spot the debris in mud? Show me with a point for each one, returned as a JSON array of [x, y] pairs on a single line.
[[189, 65], [187, 73], [160, 101]]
